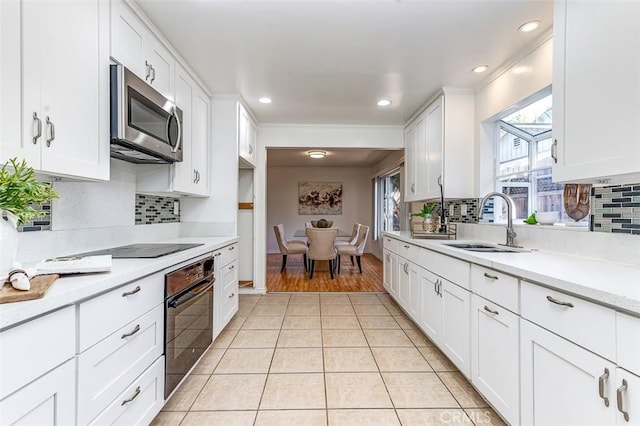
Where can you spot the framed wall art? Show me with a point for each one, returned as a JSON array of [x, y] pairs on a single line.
[[319, 198]]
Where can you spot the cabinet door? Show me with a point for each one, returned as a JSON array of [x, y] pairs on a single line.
[[414, 305], [495, 354], [560, 381], [421, 157], [410, 163], [456, 338], [200, 141], [243, 134], [627, 398], [395, 268], [403, 283], [49, 400], [184, 174], [434, 142], [162, 65], [386, 270], [431, 306], [127, 39], [596, 63]]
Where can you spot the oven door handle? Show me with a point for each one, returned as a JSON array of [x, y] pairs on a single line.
[[188, 296]]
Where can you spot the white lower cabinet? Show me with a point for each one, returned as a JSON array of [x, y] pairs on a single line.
[[225, 299], [387, 275], [229, 291], [403, 283], [495, 355], [431, 320], [456, 344]]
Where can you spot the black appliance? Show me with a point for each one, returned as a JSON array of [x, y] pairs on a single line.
[[140, 251]]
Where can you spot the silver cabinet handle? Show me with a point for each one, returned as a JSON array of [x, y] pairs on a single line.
[[232, 267], [129, 293], [232, 248], [554, 151], [250, 149], [153, 74], [405, 246], [218, 254], [413, 187], [132, 332], [195, 176], [231, 296], [492, 277], [135, 395], [52, 131], [38, 131], [148, 66], [619, 392], [198, 173], [559, 302], [601, 380], [491, 311], [388, 256]]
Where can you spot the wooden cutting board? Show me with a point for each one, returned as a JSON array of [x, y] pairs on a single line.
[[39, 286]]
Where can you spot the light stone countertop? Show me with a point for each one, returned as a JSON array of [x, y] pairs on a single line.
[[72, 289], [616, 285]]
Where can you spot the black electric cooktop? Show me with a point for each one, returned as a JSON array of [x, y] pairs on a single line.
[[140, 251]]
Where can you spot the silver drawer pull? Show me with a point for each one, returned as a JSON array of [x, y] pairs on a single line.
[[231, 296], [218, 254], [406, 246], [38, 124], [232, 267], [619, 392], [493, 277], [601, 380], [232, 248], [488, 309], [129, 293], [135, 395], [559, 302], [131, 333]]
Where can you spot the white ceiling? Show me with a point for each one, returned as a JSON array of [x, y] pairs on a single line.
[[328, 62], [298, 157]]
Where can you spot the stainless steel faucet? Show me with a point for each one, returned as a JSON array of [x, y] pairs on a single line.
[[511, 234]]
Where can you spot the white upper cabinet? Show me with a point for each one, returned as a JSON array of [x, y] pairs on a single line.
[[136, 47], [65, 86], [596, 91], [246, 137]]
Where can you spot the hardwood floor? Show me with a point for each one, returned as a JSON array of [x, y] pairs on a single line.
[[349, 279]]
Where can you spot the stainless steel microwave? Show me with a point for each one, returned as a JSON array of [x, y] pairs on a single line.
[[146, 127]]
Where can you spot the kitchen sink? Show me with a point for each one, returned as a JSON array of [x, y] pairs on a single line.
[[486, 248]]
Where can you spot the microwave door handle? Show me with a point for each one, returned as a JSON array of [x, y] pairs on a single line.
[[188, 296], [174, 114]]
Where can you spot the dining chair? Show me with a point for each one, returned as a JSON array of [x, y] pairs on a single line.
[[356, 249], [352, 239], [321, 247], [289, 247]]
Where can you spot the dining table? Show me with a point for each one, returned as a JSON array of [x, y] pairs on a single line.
[[321, 265]]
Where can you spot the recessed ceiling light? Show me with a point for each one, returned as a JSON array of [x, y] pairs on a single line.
[[264, 100], [384, 102], [481, 68], [317, 154], [529, 26]]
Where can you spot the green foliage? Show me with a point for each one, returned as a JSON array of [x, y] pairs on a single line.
[[19, 188], [427, 210], [531, 220]]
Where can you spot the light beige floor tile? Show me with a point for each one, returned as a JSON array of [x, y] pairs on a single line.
[[380, 417], [385, 298], [371, 310], [356, 390], [387, 338], [244, 310], [394, 309], [364, 299], [462, 390], [226, 418], [231, 392], [343, 338], [255, 339], [400, 359], [209, 361], [236, 322], [336, 310], [301, 322], [436, 359], [291, 417], [297, 360], [418, 338], [300, 339], [484, 417], [340, 323], [263, 323], [349, 360], [269, 310], [274, 299], [418, 390], [293, 391], [334, 299], [378, 322], [224, 339], [303, 310], [168, 418], [433, 417], [304, 299], [245, 361], [188, 391], [405, 323]]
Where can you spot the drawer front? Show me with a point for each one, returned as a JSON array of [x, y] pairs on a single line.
[[226, 254], [229, 292], [140, 402], [450, 268], [409, 251], [96, 316], [628, 330], [107, 368], [390, 244], [584, 323], [35, 347], [497, 287]]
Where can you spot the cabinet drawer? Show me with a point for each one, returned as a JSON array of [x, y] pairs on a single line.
[[390, 244], [628, 330], [585, 323], [454, 270], [102, 315], [35, 347], [226, 254], [111, 365], [140, 402], [229, 294], [408, 251], [495, 286]]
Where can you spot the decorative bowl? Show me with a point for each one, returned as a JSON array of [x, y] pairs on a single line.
[[329, 223], [547, 218]]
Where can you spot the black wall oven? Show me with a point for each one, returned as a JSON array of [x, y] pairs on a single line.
[[188, 318]]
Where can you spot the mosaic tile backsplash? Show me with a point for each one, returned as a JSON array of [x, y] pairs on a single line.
[[616, 209], [471, 205], [152, 209], [40, 223]]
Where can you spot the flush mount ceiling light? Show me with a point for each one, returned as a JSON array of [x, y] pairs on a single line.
[[480, 68], [529, 26], [264, 100], [384, 102], [317, 154]]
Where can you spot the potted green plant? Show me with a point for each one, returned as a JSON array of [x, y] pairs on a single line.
[[19, 189], [429, 222]]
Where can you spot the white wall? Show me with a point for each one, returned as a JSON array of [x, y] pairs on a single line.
[[282, 199]]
